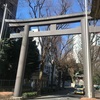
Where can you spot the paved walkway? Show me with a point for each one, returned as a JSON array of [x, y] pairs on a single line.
[[66, 94], [55, 97], [97, 95]]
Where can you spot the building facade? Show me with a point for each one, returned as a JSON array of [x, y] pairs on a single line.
[[11, 8], [77, 46]]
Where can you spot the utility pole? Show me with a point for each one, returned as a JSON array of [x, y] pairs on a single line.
[[3, 21]]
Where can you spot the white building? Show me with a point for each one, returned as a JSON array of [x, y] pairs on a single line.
[[98, 39], [77, 44], [37, 39]]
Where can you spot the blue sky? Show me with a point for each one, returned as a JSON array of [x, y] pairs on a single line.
[[76, 7], [23, 9]]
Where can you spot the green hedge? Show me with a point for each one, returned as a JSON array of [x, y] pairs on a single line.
[[29, 94]]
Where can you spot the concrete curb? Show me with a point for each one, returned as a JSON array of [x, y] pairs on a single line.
[[16, 98], [88, 98]]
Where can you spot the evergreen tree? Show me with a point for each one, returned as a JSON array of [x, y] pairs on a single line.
[[9, 57], [32, 63]]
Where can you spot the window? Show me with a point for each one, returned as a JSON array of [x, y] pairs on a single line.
[[99, 42]]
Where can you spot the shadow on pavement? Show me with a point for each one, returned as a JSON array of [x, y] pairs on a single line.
[[51, 96], [67, 92], [64, 94]]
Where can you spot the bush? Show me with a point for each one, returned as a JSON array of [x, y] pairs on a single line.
[[29, 94]]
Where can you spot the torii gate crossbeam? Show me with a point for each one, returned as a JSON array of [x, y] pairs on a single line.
[[55, 32], [52, 21]]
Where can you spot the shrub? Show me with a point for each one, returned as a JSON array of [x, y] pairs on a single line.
[[29, 94]]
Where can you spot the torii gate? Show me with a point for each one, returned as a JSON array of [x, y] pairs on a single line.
[[53, 21]]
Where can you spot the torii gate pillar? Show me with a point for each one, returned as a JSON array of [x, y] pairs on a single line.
[[87, 60], [21, 64]]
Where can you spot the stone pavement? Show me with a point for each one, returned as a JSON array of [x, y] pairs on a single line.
[[66, 94], [55, 97], [97, 95]]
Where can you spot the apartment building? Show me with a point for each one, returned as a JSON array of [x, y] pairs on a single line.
[[77, 44], [12, 8]]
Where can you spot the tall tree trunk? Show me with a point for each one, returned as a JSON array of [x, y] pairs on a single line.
[[59, 79], [63, 83], [52, 74], [39, 85]]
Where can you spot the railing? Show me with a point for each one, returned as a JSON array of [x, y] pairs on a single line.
[[7, 83]]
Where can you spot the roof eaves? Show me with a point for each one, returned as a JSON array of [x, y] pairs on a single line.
[[95, 10]]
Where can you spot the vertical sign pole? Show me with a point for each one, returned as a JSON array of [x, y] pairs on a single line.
[[21, 64]]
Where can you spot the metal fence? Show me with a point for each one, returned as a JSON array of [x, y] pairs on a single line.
[[7, 83]]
